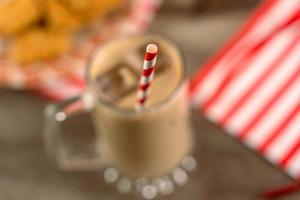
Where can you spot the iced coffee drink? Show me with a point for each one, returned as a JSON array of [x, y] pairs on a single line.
[[148, 143]]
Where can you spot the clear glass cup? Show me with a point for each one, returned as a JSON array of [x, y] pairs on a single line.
[[144, 145]]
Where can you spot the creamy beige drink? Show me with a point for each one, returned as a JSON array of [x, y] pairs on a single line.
[[148, 143]]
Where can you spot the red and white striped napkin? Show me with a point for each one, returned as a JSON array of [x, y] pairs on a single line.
[[251, 87]]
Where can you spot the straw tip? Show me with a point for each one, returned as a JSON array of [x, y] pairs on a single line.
[[151, 48]]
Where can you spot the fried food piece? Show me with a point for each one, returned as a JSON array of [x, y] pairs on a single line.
[[78, 6], [16, 15], [101, 8], [39, 44], [59, 17], [89, 9]]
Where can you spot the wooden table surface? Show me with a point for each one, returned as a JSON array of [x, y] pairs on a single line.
[[226, 169]]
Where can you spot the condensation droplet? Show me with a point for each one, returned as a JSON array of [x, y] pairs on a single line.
[[111, 175], [164, 185], [124, 185], [180, 176], [60, 116], [140, 183], [157, 182], [149, 192], [189, 163]]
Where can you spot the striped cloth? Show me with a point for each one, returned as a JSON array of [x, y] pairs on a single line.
[[251, 87]]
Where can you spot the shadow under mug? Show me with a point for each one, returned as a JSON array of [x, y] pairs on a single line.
[[149, 144]]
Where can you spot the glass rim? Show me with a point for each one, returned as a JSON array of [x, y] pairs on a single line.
[[91, 83]]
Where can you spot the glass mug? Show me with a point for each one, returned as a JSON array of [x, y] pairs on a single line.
[[147, 144]]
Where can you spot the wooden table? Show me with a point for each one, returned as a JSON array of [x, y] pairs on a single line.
[[226, 169]]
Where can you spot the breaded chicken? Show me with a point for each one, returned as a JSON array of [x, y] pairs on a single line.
[[16, 15], [39, 44], [58, 16], [91, 9]]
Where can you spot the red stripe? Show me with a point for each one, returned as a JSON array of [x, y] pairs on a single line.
[[147, 72], [79, 82], [295, 17], [279, 192], [144, 87], [237, 105], [150, 56], [211, 64], [142, 101], [279, 129], [289, 155], [235, 71], [244, 132]]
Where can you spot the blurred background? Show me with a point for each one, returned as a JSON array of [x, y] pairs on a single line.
[[226, 169]]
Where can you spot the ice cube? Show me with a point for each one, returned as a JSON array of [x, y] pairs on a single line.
[[117, 82]]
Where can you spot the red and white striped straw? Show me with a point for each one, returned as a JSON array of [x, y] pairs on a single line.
[[146, 76]]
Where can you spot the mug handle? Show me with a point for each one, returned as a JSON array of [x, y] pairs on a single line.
[[55, 114]]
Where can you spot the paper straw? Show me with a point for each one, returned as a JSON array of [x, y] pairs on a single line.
[[146, 76]]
